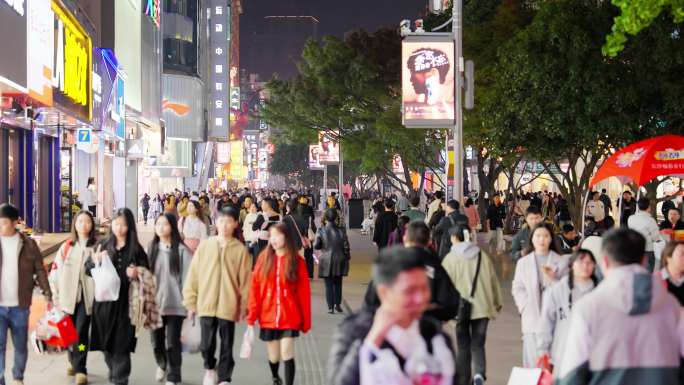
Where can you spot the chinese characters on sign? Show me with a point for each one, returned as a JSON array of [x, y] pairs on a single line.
[[428, 81], [72, 62], [219, 25]]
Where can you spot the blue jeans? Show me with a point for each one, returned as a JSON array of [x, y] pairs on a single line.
[[15, 319]]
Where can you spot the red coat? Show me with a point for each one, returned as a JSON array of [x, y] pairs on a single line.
[[280, 304]]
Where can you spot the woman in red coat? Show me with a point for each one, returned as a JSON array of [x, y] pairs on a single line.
[[280, 299]]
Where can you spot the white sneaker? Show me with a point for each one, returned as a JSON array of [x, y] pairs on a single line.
[[209, 377], [160, 375], [224, 383], [170, 383]]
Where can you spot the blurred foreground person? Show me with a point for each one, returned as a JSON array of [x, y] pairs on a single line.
[[629, 329], [397, 344]]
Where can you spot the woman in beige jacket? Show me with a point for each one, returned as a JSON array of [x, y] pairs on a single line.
[[73, 290]]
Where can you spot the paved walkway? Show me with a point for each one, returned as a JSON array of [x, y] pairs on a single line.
[[503, 345]]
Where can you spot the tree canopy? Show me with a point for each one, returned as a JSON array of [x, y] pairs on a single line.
[[352, 86], [637, 15]]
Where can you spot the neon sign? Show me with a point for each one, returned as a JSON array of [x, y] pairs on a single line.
[[72, 60], [153, 11]]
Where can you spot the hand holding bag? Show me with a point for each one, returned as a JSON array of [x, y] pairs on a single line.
[[247, 342], [107, 281], [191, 336]]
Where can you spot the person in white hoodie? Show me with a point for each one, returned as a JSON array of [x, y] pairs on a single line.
[[534, 273], [628, 330], [558, 302], [644, 223]]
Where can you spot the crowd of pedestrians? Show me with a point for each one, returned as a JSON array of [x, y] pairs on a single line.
[[595, 307]]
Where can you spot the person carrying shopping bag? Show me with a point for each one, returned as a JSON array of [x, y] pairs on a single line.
[[280, 300], [73, 290], [169, 260], [112, 329], [216, 290], [474, 276]]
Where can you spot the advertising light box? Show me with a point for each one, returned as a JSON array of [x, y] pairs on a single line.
[[329, 152], [428, 81]]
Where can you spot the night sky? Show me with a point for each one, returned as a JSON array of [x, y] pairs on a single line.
[[267, 48]]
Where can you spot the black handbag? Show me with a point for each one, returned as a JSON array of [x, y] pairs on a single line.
[[465, 308]]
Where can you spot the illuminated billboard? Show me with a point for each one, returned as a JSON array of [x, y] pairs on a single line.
[[314, 157], [428, 81], [223, 152], [329, 152], [41, 42], [72, 72], [218, 14]]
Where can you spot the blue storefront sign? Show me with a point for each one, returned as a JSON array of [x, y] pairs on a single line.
[[109, 108]]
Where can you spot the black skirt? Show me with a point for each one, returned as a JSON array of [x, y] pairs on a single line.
[[277, 334]]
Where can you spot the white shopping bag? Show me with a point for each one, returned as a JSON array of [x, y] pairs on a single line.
[[107, 281], [191, 336], [658, 247], [525, 376], [247, 342]]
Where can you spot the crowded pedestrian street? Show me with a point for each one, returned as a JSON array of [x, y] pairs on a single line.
[[306, 192], [502, 342]]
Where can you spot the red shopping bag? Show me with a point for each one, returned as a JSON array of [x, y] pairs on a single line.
[[546, 377], [66, 332]]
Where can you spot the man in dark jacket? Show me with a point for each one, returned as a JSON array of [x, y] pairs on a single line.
[[451, 218], [521, 240], [20, 261], [385, 224], [372, 347], [445, 298], [607, 205]]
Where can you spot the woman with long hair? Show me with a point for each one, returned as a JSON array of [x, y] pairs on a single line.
[[334, 260], [73, 291], [193, 227], [112, 331], [534, 273], [280, 300], [169, 261], [397, 236], [558, 302], [470, 211], [672, 272], [267, 218]]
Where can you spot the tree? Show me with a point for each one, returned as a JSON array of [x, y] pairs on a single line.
[[352, 86], [637, 15], [555, 97]]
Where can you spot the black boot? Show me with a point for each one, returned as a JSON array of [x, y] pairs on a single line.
[[338, 309], [331, 310]]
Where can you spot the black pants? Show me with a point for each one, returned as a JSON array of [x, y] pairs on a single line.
[[226, 330], [309, 258], [651, 261], [119, 367], [145, 212], [93, 210], [333, 291], [166, 344], [79, 357], [470, 339]]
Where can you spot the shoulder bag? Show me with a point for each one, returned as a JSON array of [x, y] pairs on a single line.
[[465, 308]]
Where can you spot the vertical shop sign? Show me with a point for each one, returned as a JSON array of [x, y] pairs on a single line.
[[219, 27]]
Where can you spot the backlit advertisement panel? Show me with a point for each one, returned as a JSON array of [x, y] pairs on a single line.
[[128, 46], [13, 58], [223, 152], [315, 157], [428, 81], [72, 70], [329, 148], [41, 45]]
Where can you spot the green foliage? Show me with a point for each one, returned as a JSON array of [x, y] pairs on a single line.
[[635, 16], [352, 85]]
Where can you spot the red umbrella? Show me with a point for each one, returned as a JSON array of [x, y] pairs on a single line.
[[643, 161]]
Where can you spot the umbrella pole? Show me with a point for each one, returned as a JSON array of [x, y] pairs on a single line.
[[619, 213], [584, 212]]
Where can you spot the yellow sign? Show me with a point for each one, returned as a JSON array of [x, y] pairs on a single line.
[[73, 60]]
